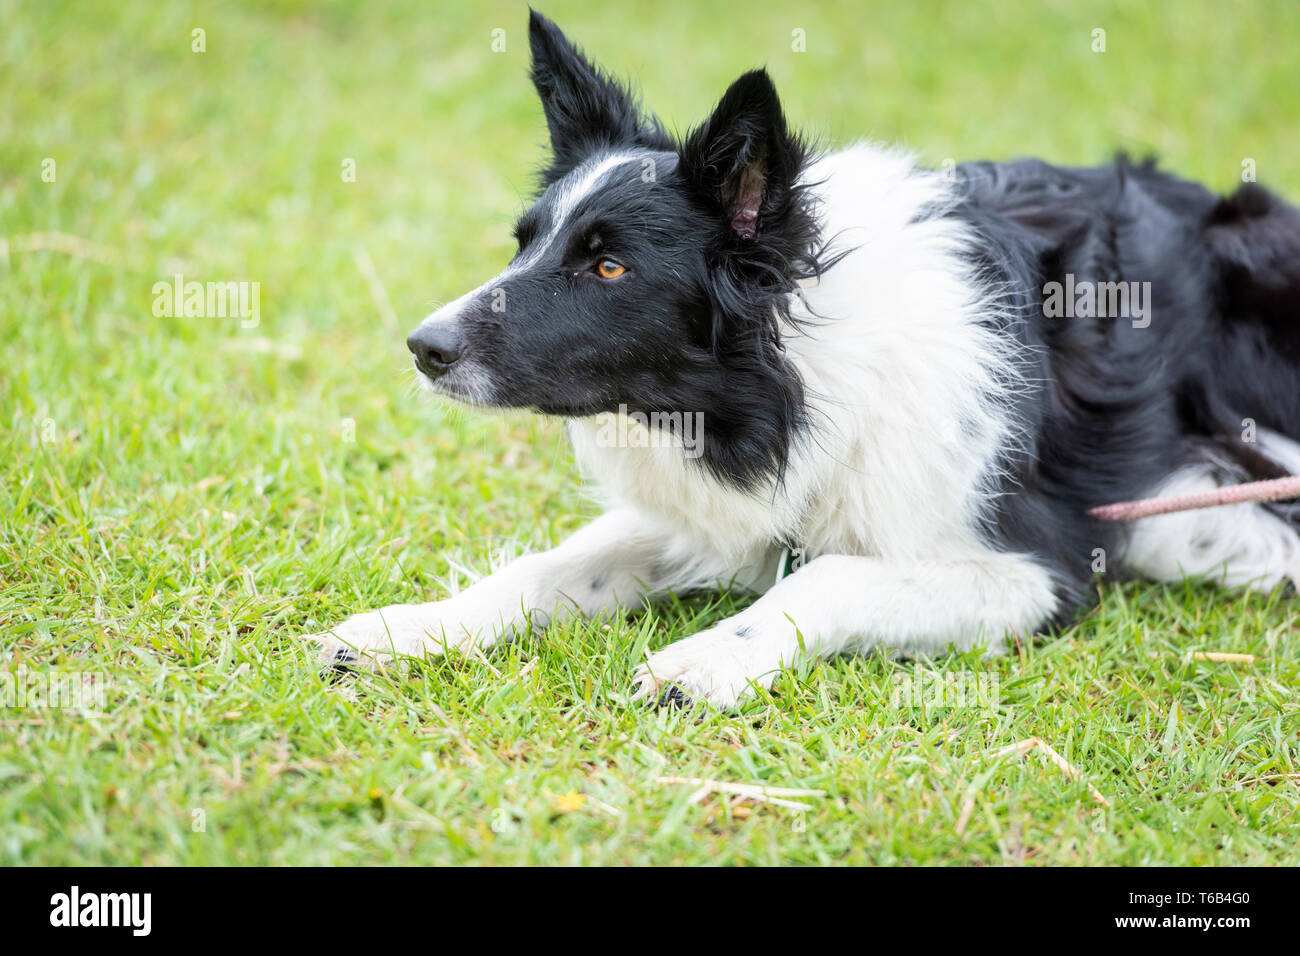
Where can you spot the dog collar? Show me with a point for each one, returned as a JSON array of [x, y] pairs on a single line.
[[790, 561]]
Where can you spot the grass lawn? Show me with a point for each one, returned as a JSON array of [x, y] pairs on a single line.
[[182, 496]]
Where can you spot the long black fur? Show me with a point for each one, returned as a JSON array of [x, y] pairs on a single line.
[[1118, 408]]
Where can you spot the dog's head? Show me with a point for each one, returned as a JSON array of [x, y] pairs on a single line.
[[651, 274]]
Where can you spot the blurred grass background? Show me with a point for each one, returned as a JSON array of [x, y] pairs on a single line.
[[180, 496]]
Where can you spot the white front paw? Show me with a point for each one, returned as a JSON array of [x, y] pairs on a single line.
[[722, 665], [378, 637]]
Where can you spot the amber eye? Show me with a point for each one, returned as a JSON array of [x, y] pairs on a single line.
[[609, 269]]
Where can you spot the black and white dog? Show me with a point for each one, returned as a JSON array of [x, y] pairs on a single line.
[[919, 380]]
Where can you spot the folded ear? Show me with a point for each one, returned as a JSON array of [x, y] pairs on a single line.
[[742, 160], [585, 109]]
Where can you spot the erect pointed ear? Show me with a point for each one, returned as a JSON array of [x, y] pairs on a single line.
[[742, 160], [585, 109]]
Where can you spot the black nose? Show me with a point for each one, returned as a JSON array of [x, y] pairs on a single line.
[[435, 347]]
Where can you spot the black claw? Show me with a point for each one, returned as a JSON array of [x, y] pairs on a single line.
[[674, 696], [340, 665]]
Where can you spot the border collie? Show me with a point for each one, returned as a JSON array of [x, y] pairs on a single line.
[[916, 382]]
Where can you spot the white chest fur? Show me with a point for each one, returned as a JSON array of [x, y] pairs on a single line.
[[905, 386]]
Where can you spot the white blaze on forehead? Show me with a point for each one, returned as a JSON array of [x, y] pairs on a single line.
[[567, 193], [570, 191]]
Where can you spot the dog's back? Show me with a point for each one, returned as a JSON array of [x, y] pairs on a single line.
[[1227, 268]]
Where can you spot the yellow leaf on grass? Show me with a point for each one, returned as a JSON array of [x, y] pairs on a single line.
[[568, 802]]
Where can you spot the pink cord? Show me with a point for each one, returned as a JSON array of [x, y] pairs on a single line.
[[1278, 489]]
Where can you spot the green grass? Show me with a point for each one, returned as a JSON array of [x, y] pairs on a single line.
[[179, 500]]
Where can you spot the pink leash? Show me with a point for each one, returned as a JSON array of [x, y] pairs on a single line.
[[1279, 489]]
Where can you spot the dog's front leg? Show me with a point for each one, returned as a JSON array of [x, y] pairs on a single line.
[[616, 561], [837, 603]]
